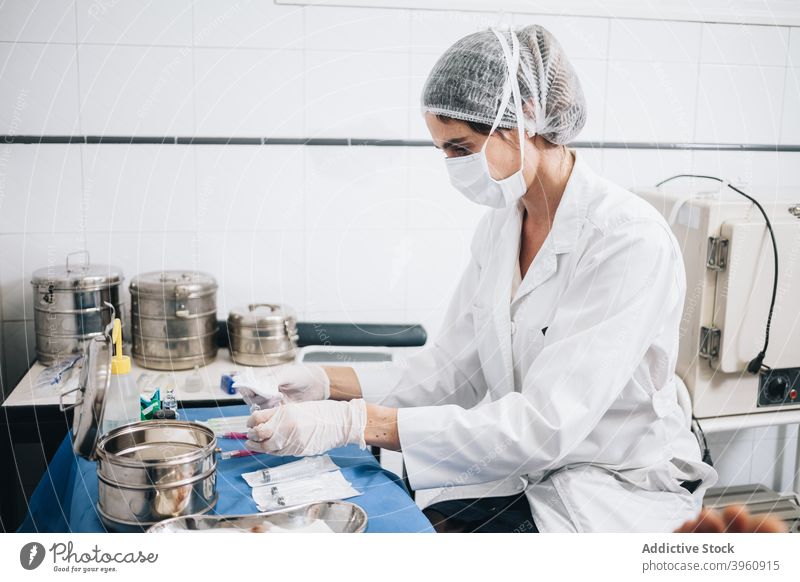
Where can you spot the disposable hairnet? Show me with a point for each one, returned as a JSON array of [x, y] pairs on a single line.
[[468, 80]]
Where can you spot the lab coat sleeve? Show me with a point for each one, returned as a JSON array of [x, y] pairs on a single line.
[[448, 372], [608, 316]]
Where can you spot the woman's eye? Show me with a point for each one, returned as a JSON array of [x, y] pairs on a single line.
[[461, 151]]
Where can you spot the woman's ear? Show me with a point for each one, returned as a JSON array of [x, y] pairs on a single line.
[[528, 111]]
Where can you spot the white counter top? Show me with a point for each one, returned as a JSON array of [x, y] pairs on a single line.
[[25, 395]]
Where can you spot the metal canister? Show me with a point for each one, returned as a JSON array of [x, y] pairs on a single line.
[[153, 470], [174, 319], [69, 306], [262, 334]]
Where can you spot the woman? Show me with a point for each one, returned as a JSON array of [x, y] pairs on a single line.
[[567, 317]]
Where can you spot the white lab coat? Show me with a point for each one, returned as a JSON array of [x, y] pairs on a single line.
[[593, 431]]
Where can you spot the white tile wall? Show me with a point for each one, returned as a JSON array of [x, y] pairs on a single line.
[[355, 234], [39, 88], [26, 21], [40, 188], [245, 188], [736, 44], [358, 94], [794, 48], [357, 29], [137, 22], [356, 269], [753, 97], [790, 123], [631, 168], [650, 101], [355, 188], [255, 267], [139, 188], [650, 40], [131, 90], [247, 24], [249, 92]]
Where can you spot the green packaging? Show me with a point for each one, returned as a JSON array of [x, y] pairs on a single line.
[[149, 403]]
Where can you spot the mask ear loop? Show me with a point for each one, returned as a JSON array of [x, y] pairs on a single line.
[[511, 87]]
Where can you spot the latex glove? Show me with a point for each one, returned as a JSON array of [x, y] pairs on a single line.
[[308, 428], [257, 388], [296, 382], [253, 398]]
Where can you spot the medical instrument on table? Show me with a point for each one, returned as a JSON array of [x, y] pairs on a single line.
[[174, 316], [303, 468], [732, 249], [122, 400], [225, 455], [323, 487], [337, 516], [262, 334], [233, 427], [57, 374], [70, 306]]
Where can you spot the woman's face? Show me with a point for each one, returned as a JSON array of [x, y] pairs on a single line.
[[455, 138]]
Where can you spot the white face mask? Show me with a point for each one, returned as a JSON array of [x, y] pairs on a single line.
[[470, 174]]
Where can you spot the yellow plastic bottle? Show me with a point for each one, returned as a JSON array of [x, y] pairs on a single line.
[[122, 400]]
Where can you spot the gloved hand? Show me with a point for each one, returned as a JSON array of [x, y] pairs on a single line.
[[308, 428], [285, 383], [257, 388]]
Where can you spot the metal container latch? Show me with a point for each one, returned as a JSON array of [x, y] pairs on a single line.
[[710, 338], [717, 254], [181, 295], [795, 210]]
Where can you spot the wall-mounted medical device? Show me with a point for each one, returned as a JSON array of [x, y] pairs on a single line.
[[730, 275]]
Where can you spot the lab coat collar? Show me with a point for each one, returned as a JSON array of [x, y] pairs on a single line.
[[563, 235], [571, 211]]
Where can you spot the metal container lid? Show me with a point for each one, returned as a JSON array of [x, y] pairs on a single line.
[[261, 315], [81, 277], [179, 283], [90, 395]]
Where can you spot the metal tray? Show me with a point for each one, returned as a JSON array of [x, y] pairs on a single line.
[[338, 516]]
